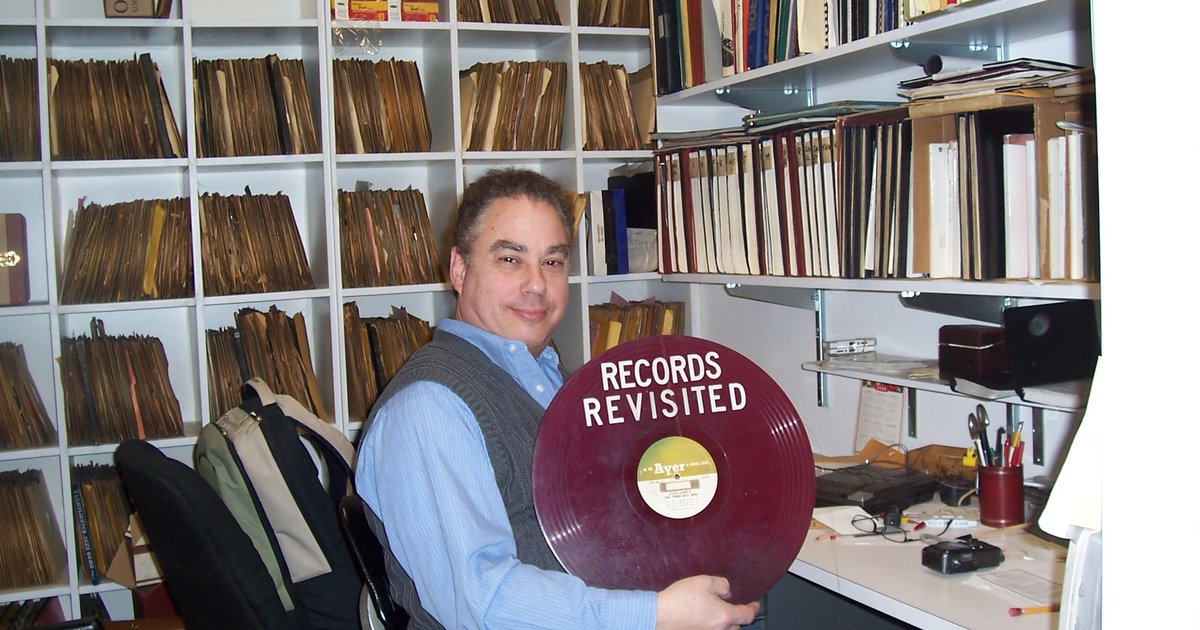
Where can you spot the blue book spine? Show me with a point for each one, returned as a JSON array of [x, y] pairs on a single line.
[[621, 222], [752, 35]]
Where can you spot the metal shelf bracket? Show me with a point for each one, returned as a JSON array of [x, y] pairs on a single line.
[[807, 299], [984, 308]]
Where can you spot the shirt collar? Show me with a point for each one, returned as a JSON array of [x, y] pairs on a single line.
[[504, 352]]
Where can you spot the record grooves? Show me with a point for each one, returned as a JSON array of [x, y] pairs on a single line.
[[673, 456]]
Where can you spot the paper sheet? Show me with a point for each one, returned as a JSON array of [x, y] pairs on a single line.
[[880, 414]]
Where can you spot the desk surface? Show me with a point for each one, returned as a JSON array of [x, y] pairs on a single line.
[[889, 577]]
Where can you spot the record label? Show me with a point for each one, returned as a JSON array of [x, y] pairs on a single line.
[[673, 456], [677, 477]]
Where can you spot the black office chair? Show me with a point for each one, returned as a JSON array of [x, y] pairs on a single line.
[[212, 571], [368, 556]]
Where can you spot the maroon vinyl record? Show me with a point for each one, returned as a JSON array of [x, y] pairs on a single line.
[[673, 456]]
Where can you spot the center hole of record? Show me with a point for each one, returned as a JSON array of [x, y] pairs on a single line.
[[677, 477]]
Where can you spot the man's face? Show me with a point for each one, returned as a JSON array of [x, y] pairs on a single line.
[[515, 284]]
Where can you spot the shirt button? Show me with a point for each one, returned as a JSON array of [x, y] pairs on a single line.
[[538, 388]]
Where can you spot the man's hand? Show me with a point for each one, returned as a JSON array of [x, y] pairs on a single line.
[[698, 602]]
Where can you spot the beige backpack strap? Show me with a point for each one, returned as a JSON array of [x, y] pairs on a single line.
[[301, 551]]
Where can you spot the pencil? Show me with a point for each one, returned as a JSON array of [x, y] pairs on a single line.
[[827, 536], [1017, 612]]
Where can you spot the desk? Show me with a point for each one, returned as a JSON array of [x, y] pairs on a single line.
[[889, 577]]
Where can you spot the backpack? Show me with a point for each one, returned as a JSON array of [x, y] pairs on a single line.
[[261, 457]]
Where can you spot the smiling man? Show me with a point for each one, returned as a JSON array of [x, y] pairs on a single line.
[[445, 463]]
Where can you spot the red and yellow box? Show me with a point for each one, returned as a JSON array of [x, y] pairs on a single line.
[[385, 10]]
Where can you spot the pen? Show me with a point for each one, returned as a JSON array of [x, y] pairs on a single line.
[[835, 535], [1001, 445], [985, 450]]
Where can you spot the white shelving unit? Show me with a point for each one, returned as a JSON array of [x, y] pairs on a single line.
[[46, 192], [778, 337], [783, 320]]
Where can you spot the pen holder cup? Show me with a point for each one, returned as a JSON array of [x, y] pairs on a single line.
[[1001, 495]]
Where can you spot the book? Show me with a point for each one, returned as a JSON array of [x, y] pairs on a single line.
[[84, 535], [1020, 205], [667, 48], [620, 224], [944, 238], [597, 234]]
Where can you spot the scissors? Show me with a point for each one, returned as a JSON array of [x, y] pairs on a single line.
[[981, 418], [978, 428]]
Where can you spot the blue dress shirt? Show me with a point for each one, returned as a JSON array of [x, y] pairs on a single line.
[[423, 467]]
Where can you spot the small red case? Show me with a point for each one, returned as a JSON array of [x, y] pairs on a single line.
[[14, 260], [975, 352]]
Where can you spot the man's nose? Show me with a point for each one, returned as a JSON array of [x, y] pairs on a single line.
[[535, 280]]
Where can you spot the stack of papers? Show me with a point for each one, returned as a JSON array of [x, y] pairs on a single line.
[[986, 78]]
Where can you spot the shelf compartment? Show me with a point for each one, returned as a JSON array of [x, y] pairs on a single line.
[[175, 330], [303, 183], [23, 196], [34, 491], [30, 335], [238, 11], [317, 340], [430, 50]]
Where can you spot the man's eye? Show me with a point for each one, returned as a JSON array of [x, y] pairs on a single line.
[[555, 263], [508, 259]]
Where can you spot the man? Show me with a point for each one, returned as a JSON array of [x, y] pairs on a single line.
[[446, 459]]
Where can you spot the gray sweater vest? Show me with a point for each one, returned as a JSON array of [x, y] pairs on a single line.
[[509, 419]]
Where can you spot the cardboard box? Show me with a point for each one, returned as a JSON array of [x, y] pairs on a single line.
[[385, 10], [365, 10], [941, 462], [873, 452], [129, 8], [418, 11], [134, 565]]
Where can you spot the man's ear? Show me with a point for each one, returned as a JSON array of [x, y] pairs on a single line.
[[458, 269]]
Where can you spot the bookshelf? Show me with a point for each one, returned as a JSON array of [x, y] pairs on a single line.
[[46, 192], [779, 322]]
